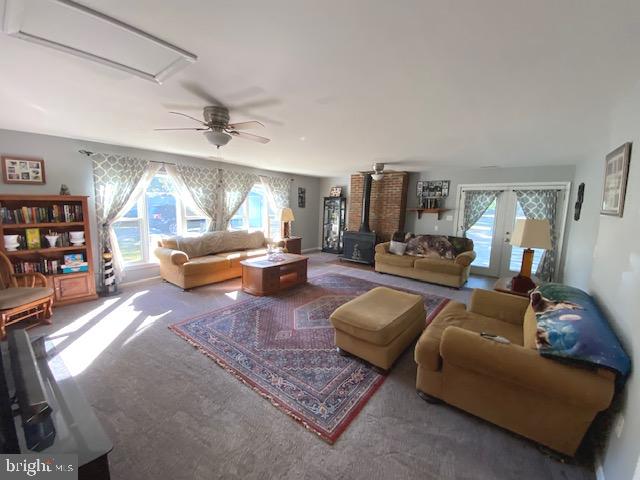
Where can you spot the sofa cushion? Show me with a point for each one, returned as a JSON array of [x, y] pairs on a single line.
[[438, 265], [529, 328], [206, 264], [15, 296], [236, 257], [379, 315], [395, 260], [455, 314]]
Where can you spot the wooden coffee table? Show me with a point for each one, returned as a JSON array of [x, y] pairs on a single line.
[[261, 276]]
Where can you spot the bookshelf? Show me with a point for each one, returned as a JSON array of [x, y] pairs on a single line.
[[58, 214]]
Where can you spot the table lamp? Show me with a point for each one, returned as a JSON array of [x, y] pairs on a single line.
[[529, 234], [286, 217]]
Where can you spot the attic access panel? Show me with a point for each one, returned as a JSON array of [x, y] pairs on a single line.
[[81, 31]]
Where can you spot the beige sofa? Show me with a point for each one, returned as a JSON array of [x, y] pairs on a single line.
[[190, 262], [452, 272], [510, 385]]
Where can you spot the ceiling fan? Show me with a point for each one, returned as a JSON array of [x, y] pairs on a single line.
[[217, 129]]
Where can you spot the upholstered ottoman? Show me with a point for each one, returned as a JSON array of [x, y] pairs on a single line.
[[379, 325]]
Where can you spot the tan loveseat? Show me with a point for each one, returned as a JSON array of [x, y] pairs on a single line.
[[452, 272], [190, 262], [510, 385]]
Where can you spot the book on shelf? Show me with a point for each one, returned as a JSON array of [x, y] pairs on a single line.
[[33, 238], [45, 266], [50, 214]]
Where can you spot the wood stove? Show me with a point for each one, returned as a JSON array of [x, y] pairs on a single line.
[[360, 246]]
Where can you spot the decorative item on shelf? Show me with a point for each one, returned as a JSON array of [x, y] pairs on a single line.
[[286, 217], [109, 286], [11, 243], [335, 192], [33, 238], [74, 263], [64, 190], [616, 171], [76, 238], [433, 188], [579, 200], [52, 238], [27, 171], [529, 234]]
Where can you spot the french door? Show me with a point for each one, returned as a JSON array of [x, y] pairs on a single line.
[[491, 234]]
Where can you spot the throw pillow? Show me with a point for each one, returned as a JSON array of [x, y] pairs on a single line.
[[397, 248]]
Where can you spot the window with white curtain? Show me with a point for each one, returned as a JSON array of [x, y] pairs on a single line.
[[159, 212], [255, 214]]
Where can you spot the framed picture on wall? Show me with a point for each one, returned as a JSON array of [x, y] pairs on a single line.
[[28, 171], [302, 197], [616, 171]]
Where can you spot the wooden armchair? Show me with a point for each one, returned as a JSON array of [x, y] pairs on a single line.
[[22, 296]]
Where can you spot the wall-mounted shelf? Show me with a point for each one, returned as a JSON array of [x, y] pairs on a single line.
[[437, 211]]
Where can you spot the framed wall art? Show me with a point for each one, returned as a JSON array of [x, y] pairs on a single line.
[[302, 197], [27, 171], [616, 171]]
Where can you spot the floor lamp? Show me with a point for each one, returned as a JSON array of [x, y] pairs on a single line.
[[529, 234]]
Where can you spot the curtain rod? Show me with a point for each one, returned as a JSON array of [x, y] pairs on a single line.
[[88, 154]]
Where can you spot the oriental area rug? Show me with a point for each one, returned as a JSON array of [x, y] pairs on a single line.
[[282, 346]]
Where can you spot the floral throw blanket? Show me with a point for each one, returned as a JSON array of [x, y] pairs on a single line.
[[572, 327], [437, 246]]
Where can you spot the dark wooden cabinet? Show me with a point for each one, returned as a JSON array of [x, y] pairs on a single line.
[[334, 217]]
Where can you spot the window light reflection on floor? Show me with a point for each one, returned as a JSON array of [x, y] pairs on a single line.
[[232, 295], [84, 319], [88, 346]]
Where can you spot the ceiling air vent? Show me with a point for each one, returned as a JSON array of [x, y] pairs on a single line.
[[81, 31]]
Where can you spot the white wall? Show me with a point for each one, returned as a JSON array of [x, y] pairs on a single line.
[[63, 164], [615, 281]]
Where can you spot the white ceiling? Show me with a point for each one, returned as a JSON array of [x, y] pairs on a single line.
[[465, 83]]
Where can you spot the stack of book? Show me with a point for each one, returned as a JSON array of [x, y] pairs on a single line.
[[51, 214], [74, 262]]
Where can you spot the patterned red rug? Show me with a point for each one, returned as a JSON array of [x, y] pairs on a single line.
[[283, 347]]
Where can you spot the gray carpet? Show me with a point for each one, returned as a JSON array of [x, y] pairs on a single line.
[[172, 413]]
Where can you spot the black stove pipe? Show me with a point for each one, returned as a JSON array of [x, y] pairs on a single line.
[[366, 203]]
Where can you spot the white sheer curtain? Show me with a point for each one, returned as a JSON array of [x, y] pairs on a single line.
[[118, 182]]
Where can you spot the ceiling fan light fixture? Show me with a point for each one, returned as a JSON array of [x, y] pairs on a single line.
[[377, 171], [219, 139]]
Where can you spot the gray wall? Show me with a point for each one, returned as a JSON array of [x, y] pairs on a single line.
[[611, 245], [63, 164]]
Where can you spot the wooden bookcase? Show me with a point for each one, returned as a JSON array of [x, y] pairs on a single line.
[[69, 287]]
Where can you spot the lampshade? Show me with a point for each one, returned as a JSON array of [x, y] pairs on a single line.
[[532, 234], [286, 215]]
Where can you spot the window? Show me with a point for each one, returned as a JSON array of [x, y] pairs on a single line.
[[481, 233], [160, 212], [256, 214]]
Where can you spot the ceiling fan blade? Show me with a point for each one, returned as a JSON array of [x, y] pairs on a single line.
[[158, 129], [201, 93], [265, 102], [245, 125], [249, 136], [189, 116]]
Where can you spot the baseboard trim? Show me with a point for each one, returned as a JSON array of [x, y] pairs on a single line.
[[141, 280], [310, 250]]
